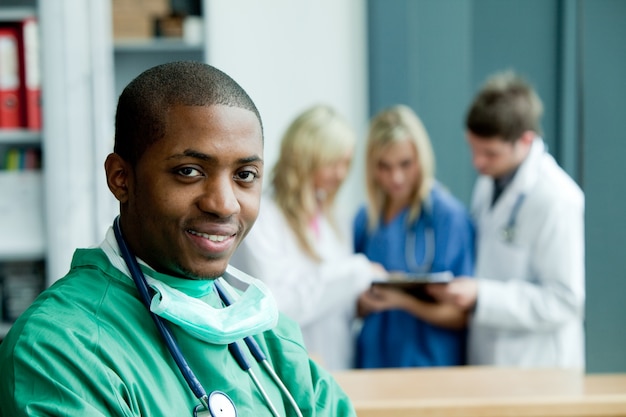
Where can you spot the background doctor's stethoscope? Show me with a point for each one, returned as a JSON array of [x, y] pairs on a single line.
[[426, 265]]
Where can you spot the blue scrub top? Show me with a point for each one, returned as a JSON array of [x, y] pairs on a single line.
[[395, 338]]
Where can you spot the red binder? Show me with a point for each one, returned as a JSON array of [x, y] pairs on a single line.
[[30, 74], [11, 111]]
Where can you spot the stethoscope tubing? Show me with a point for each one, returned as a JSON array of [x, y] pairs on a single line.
[[509, 229], [429, 242], [259, 356], [429, 251], [142, 286]]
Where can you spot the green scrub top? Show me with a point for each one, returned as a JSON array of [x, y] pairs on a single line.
[[88, 347]]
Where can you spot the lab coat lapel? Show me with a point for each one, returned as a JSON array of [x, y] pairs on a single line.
[[491, 220], [523, 182]]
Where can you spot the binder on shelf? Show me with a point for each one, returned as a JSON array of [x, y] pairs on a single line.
[[28, 44], [11, 109], [31, 159], [20, 159], [23, 74], [12, 160]]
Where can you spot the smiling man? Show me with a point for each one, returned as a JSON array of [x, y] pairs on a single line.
[[145, 324]]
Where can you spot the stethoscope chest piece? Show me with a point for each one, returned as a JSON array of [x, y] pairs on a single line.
[[220, 405], [508, 234]]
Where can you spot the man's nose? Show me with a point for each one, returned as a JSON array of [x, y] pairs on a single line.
[[219, 197], [479, 161]]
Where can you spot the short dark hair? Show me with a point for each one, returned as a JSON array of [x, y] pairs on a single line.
[[142, 106], [505, 106]]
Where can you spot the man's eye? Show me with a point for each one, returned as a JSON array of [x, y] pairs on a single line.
[[246, 176], [189, 172]]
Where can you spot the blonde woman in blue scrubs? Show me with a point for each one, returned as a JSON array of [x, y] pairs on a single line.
[[410, 224]]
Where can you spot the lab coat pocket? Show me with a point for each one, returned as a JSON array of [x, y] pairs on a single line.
[[526, 349], [509, 261]]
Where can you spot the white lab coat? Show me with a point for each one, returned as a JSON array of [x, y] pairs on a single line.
[[530, 291], [321, 297]]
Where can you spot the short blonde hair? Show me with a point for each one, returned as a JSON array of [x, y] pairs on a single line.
[[393, 125], [317, 137]]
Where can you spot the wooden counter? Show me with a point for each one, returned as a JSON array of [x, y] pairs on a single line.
[[484, 392]]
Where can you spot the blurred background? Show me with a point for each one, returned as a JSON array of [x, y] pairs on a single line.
[[356, 55]]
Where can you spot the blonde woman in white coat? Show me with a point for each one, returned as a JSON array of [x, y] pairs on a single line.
[[528, 297], [296, 246]]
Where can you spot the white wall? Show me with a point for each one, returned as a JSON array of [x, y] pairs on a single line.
[[289, 55]]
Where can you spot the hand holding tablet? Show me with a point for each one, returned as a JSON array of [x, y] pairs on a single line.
[[414, 283]]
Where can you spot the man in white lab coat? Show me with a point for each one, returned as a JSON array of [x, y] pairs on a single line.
[[527, 301]]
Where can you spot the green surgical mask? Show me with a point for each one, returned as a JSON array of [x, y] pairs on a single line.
[[252, 312]]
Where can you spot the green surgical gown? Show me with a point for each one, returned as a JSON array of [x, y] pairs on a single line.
[[88, 347]]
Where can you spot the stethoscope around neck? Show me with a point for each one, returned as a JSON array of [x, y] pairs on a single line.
[[429, 242], [217, 403], [508, 232]]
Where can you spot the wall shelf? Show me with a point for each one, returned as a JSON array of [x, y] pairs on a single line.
[[20, 137], [156, 45], [12, 14]]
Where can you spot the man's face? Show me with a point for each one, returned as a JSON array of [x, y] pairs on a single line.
[[195, 194], [495, 157]]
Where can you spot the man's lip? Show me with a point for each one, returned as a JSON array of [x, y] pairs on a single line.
[[213, 242], [216, 234]]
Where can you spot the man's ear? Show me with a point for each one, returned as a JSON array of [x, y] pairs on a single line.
[[528, 137], [118, 173]]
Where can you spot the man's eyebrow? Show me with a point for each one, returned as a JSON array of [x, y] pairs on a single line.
[[191, 153]]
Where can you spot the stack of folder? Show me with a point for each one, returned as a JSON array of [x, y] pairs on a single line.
[[20, 78], [21, 159]]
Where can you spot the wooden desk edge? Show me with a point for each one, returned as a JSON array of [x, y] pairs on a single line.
[[613, 405]]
